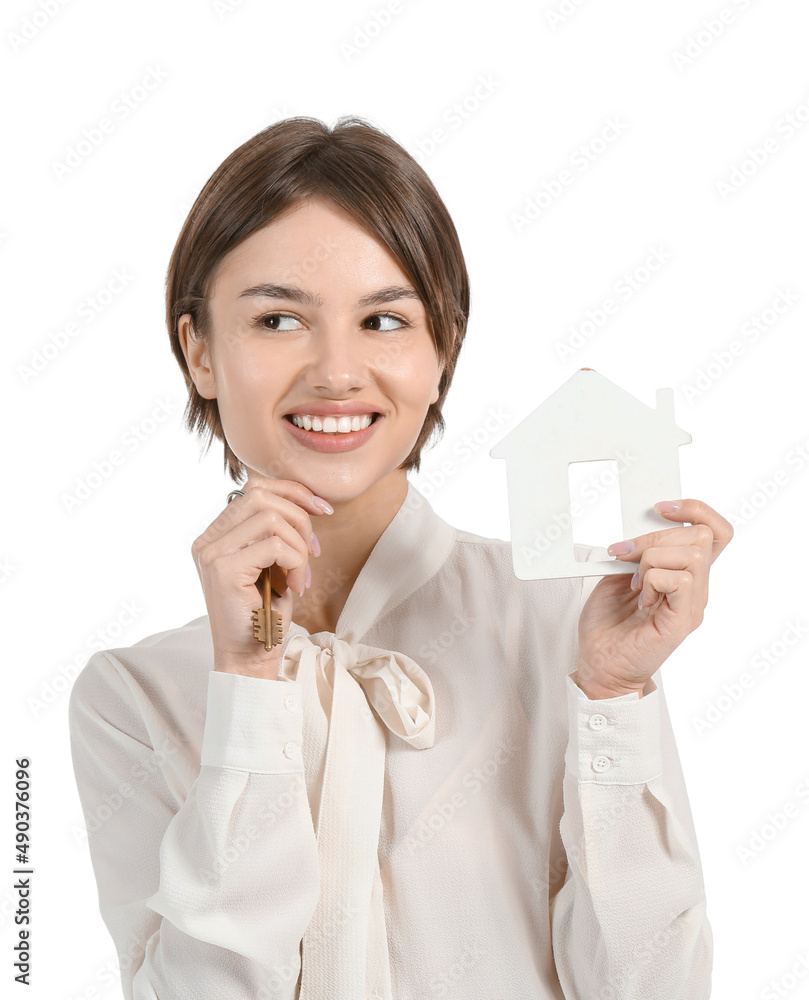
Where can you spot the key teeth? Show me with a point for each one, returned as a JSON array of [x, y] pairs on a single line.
[[276, 629], [258, 624]]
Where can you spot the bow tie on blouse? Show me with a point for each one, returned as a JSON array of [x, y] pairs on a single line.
[[350, 692]]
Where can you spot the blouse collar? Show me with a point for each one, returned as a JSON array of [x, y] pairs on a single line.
[[409, 551]]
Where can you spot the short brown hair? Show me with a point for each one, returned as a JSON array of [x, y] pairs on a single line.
[[365, 172]]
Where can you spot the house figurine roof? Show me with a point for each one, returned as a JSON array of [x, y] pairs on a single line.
[[588, 413], [587, 419]]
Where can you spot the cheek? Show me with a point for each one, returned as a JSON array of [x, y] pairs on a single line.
[[246, 375], [245, 398], [409, 376]]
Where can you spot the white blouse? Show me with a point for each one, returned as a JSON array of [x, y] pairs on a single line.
[[424, 804]]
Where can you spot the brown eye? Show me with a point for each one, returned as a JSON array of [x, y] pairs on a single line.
[[377, 317], [272, 321]]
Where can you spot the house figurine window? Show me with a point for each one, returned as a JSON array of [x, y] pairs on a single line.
[[587, 419]]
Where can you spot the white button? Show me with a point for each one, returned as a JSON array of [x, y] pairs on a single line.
[[289, 702], [289, 749], [601, 763], [597, 721]]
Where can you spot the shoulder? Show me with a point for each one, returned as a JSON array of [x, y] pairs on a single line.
[[496, 552]]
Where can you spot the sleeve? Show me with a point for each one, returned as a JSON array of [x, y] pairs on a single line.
[[630, 920], [210, 896]]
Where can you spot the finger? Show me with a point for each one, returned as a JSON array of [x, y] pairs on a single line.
[[255, 500], [698, 512], [291, 490], [632, 549], [692, 534], [690, 557], [693, 558], [260, 526], [297, 500], [282, 605], [677, 586], [279, 581], [283, 513], [245, 564]]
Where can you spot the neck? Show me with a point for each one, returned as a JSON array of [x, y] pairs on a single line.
[[346, 538]]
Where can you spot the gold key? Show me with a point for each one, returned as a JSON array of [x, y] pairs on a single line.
[[273, 635]]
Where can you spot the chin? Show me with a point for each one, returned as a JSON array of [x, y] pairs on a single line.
[[344, 484], [338, 479], [340, 486]]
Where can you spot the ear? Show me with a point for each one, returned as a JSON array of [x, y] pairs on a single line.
[[195, 350]]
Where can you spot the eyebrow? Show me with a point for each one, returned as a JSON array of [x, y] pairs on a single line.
[[273, 290]]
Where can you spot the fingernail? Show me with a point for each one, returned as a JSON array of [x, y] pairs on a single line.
[[620, 548], [315, 544], [668, 506], [308, 577], [324, 505], [634, 581]]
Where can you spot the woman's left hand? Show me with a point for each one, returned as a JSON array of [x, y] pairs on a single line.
[[627, 630]]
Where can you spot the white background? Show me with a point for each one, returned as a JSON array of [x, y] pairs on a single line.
[[692, 103]]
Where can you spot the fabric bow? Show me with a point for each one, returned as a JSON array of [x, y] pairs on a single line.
[[345, 947]]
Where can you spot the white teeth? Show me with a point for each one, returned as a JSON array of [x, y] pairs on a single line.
[[333, 425]]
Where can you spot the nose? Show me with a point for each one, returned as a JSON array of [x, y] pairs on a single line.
[[339, 360]]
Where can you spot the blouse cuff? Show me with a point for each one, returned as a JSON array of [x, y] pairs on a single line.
[[253, 724], [614, 740]]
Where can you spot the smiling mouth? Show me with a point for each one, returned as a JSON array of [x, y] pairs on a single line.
[[330, 426]]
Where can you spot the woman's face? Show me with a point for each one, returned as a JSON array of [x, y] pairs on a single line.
[[312, 315]]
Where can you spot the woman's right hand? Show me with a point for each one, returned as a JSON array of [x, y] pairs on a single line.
[[269, 526]]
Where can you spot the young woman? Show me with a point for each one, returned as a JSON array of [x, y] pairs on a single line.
[[443, 781]]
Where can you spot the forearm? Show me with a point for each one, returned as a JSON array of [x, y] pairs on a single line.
[[206, 882], [630, 920]]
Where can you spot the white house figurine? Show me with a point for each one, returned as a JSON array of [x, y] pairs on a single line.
[[587, 419]]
